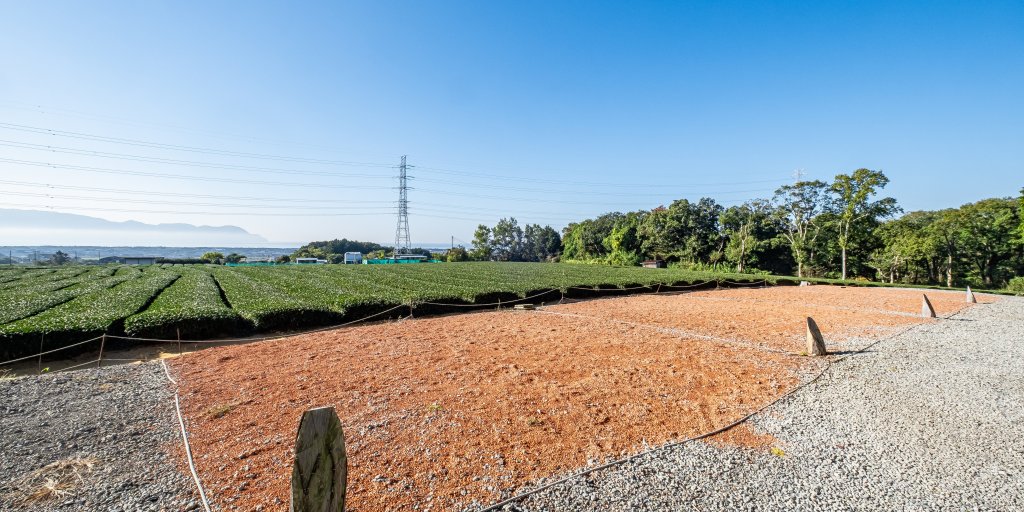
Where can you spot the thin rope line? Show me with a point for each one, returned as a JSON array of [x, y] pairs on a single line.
[[682, 333], [34, 356], [184, 438], [264, 338], [188, 453], [492, 303]]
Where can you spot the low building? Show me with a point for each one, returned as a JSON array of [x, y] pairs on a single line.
[[654, 264], [139, 260]]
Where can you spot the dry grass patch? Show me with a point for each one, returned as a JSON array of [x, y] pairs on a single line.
[[53, 481]]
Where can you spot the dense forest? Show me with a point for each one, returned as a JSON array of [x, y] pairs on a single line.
[[841, 229]]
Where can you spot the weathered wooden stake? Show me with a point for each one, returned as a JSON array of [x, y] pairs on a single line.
[[970, 296], [815, 343], [103, 342], [927, 311], [320, 472], [42, 337], [178, 330]]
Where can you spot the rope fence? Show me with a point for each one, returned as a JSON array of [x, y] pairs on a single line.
[[411, 305]]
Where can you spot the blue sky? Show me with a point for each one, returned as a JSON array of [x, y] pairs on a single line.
[[546, 111]]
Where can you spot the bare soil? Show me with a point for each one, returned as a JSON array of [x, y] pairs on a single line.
[[446, 411]]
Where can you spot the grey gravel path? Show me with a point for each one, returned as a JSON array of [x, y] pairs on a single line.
[[122, 416], [930, 420]]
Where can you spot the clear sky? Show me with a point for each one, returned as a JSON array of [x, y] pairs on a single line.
[[546, 111]]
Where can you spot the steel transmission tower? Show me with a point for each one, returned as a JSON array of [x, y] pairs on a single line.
[[402, 243]]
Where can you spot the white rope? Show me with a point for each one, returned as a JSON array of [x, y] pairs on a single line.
[[184, 438], [34, 356]]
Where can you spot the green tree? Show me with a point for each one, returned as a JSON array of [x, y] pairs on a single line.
[[910, 251], [212, 257], [749, 228], [482, 248], [684, 231], [799, 206], [507, 240], [853, 193], [987, 230], [945, 230], [59, 258], [458, 253], [1020, 213], [540, 243], [233, 258], [623, 244], [584, 240]]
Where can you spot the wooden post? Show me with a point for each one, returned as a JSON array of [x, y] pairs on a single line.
[[927, 311], [320, 471], [970, 296], [42, 337], [178, 330], [815, 343], [103, 342]]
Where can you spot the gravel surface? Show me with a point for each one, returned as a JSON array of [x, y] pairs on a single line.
[[930, 420], [120, 420]]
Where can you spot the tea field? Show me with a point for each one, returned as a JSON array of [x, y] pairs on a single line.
[[68, 304]]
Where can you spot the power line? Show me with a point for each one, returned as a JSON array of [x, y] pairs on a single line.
[[172, 161], [187, 203], [176, 147], [490, 175], [179, 194], [178, 212], [105, 170]]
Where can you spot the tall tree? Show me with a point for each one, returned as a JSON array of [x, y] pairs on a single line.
[[945, 229], [623, 243], [749, 228], [853, 193], [684, 231], [507, 240], [584, 240], [799, 205], [986, 235], [482, 248]]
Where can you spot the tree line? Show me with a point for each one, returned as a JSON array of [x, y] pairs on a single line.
[[839, 229]]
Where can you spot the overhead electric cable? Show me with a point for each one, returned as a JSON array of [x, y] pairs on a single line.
[[191, 178], [189, 163]]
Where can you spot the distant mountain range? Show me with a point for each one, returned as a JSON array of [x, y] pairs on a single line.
[[33, 227]]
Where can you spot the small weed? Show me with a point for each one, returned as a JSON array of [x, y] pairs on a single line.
[[435, 407], [534, 421], [218, 411], [778, 452]]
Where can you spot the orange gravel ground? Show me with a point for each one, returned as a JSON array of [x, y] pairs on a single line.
[[773, 318], [442, 412]]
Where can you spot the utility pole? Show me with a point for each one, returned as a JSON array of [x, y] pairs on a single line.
[[798, 175], [402, 238]]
